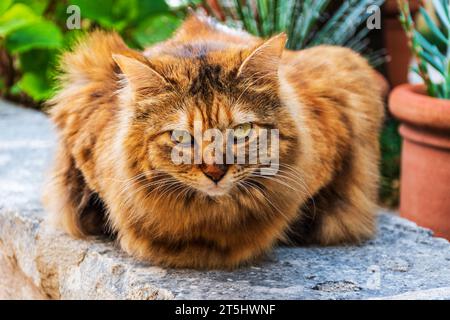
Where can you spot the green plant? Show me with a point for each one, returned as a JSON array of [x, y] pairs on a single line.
[[429, 55], [390, 142], [34, 32], [306, 22]]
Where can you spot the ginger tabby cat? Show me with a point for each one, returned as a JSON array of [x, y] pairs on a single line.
[[117, 108]]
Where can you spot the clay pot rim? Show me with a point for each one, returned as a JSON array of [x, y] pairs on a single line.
[[410, 104]]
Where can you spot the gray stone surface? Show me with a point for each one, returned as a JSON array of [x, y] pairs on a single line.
[[403, 262]]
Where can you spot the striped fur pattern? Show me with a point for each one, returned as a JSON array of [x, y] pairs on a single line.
[[113, 173]]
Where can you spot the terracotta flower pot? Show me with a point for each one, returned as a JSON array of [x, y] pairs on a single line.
[[425, 167], [396, 42]]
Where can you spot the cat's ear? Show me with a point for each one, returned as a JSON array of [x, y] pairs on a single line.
[[139, 75], [264, 60]]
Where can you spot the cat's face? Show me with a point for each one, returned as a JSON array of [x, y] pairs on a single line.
[[193, 142], [209, 122]]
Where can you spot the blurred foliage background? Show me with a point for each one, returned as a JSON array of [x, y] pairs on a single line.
[[34, 32], [307, 22]]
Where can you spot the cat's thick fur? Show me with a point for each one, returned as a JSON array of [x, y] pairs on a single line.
[[113, 170]]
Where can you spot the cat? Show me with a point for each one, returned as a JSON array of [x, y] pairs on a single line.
[[116, 111]]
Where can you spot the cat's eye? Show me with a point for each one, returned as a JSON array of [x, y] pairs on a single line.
[[242, 131], [182, 137]]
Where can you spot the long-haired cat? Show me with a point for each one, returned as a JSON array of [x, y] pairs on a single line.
[[116, 112]]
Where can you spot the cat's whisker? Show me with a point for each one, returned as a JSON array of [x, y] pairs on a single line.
[[290, 173], [295, 172], [144, 186], [164, 187], [256, 187], [241, 184], [162, 193], [183, 190], [275, 179], [130, 182], [265, 197], [166, 191], [157, 183]]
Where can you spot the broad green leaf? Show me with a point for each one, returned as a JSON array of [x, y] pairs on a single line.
[[147, 8], [156, 28], [36, 86], [125, 12], [15, 90], [100, 11], [94, 9], [4, 5], [17, 16], [44, 34], [38, 6], [108, 13], [37, 60]]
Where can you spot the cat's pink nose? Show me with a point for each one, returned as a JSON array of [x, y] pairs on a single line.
[[214, 171]]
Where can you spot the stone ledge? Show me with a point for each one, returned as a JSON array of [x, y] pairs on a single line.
[[403, 262]]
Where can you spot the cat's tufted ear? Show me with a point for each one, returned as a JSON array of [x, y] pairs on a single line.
[[263, 62], [140, 76]]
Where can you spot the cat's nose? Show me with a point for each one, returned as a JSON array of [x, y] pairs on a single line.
[[214, 171]]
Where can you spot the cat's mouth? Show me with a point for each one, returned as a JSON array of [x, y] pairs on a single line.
[[206, 186], [215, 189]]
